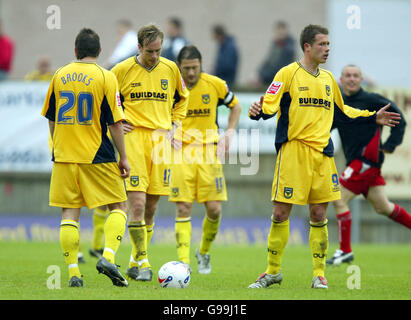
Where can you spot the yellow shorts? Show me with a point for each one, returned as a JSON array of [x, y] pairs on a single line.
[[304, 175], [76, 185], [149, 156], [199, 176]]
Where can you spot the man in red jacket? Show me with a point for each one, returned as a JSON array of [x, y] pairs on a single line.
[[6, 54]]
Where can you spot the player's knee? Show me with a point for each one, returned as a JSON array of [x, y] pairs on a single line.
[[183, 210], [280, 215], [382, 209], [339, 205], [150, 209], [137, 208], [318, 215], [123, 206], [214, 211], [119, 205]]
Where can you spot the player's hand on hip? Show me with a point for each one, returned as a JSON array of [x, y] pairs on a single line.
[[223, 146], [176, 144], [127, 127], [124, 168], [386, 118]]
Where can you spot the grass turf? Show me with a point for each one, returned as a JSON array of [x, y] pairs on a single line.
[[385, 273]]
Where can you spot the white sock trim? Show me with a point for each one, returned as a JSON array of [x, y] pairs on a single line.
[[140, 262], [132, 260], [109, 250], [73, 265]]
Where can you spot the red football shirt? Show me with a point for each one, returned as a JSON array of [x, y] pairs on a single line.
[[6, 53]]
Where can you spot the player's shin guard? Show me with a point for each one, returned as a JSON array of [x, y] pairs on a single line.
[[114, 229], [99, 218], [183, 238], [69, 240], [150, 230], [277, 240], [138, 236], [401, 216], [319, 246], [210, 230]]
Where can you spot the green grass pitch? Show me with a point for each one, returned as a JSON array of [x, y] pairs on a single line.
[[385, 273]]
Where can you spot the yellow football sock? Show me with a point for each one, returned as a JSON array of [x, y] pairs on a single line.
[[114, 229], [99, 218], [183, 238], [277, 240], [150, 228], [138, 236], [319, 246], [210, 229], [69, 240]]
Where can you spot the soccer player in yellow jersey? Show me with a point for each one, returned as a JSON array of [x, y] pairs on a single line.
[[155, 101], [306, 99], [82, 101], [197, 173]]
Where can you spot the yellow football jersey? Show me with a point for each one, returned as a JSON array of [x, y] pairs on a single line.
[[83, 100], [151, 98], [305, 104], [36, 76], [200, 125]]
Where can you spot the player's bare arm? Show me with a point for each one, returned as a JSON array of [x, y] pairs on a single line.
[[116, 131], [52, 125], [386, 118], [233, 118]]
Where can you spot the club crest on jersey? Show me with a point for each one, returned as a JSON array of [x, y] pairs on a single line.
[[174, 192], [288, 192], [134, 181], [327, 89], [164, 84], [206, 98], [274, 87]]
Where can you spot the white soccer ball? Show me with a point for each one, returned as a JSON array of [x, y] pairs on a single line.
[[174, 274]]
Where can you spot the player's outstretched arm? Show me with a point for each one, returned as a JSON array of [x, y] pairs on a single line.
[[386, 118], [116, 131]]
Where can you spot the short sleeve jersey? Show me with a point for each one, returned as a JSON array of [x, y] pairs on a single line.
[[83, 100], [200, 125], [151, 98], [305, 104]]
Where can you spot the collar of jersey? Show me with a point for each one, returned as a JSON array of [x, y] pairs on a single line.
[[314, 75], [148, 70]]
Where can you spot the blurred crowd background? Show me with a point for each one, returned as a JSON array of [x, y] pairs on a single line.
[[243, 42]]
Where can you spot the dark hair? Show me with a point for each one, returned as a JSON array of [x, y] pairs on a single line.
[[281, 24], [176, 22], [125, 23], [219, 30], [148, 34], [188, 52], [87, 44], [309, 33]]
